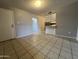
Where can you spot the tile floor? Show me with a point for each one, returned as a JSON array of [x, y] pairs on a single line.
[[40, 46]]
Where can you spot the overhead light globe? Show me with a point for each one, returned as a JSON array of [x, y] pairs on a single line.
[[38, 3]]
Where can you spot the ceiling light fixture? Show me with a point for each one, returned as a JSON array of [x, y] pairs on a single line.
[[38, 3]]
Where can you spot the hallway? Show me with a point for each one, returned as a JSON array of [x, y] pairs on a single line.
[[39, 46]]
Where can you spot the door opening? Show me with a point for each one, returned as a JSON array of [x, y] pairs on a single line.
[[50, 24], [35, 25]]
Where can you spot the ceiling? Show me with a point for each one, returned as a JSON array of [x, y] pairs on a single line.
[[47, 6]]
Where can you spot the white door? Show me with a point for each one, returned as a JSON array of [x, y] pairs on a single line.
[[7, 28]]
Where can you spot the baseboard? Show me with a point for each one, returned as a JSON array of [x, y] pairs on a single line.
[[19, 37], [66, 36], [27, 34], [24, 35]]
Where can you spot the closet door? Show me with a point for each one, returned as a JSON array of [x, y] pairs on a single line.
[[7, 27]]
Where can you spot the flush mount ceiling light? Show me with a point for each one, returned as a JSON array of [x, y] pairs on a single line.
[[38, 3]]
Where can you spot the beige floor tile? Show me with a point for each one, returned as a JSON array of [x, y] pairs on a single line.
[[44, 51], [1, 43], [1, 58], [74, 44], [44, 43], [47, 46], [33, 51], [75, 49], [34, 44], [68, 46], [27, 45], [22, 41], [40, 46], [18, 48], [52, 55], [39, 56], [59, 42], [28, 48], [1, 50], [57, 46], [66, 50], [9, 52], [75, 53], [11, 57], [26, 56], [16, 44], [75, 57], [57, 51], [61, 57], [21, 53], [51, 42], [46, 57], [65, 55]]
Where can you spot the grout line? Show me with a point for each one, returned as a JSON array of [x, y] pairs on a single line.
[[3, 50], [71, 50], [41, 47], [37, 44], [34, 46], [50, 48], [24, 48], [14, 49], [60, 49]]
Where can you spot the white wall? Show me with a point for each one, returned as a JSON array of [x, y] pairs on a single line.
[[67, 20], [23, 22]]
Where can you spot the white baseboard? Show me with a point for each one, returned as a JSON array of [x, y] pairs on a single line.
[[66, 36], [38, 33], [27, 34], [24, 35]]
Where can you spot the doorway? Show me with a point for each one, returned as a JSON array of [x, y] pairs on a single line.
[[50, 24], [35, 26]]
